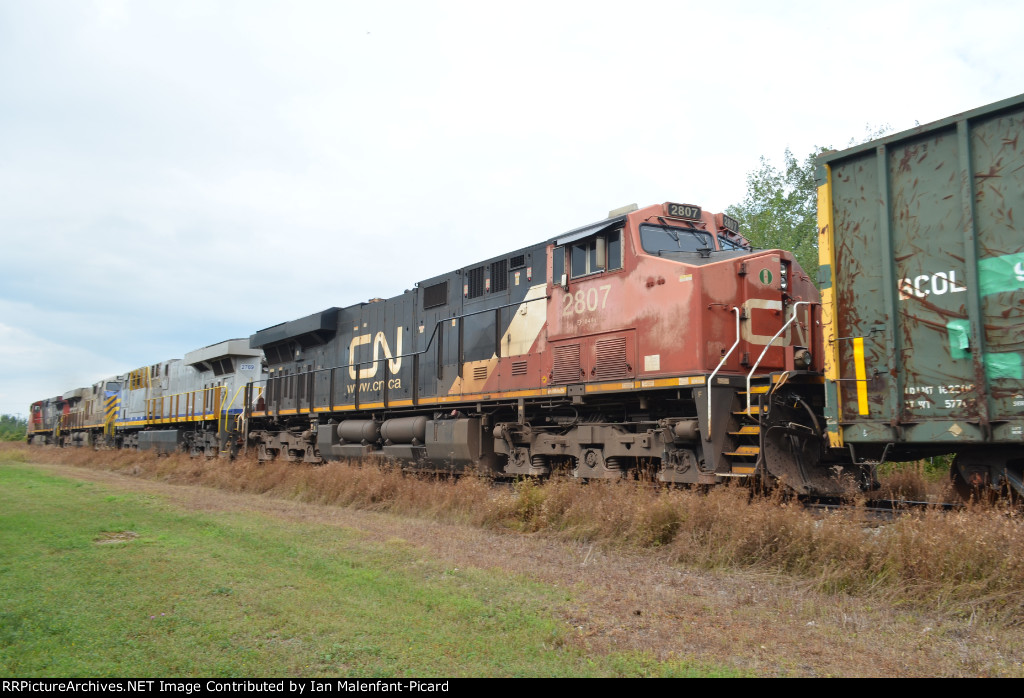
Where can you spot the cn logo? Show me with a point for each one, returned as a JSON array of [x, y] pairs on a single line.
[[380, 344]]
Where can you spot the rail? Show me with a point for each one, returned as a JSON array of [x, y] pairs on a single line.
[[225, 413]]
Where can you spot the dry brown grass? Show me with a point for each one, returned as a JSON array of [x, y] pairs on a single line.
[[920, 481], [963, 563]]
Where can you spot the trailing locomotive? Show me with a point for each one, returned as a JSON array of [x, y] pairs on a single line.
[[192, 404]]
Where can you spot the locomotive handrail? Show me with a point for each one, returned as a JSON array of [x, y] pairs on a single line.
[[191, 403], [769, 346], [225, 412], [721, 363]]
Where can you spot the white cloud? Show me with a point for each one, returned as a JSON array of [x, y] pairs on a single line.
[[44, 368]]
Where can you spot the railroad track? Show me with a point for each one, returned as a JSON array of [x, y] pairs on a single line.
[[884, 509]]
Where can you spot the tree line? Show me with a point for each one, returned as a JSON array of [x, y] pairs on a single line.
[[12, 428]]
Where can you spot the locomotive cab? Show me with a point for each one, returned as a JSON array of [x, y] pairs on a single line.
[[678, 283], [670, 309]]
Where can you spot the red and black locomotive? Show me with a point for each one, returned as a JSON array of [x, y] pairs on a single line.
[[655, 340]]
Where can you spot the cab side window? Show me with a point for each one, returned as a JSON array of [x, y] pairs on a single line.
[[557, 264], [597, 253]]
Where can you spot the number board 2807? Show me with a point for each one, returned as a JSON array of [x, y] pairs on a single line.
[[687, 211]]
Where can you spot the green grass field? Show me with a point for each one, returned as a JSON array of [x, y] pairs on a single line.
[[99, 583]]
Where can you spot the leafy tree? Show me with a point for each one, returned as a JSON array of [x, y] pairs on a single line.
[[781, 209], [12, 428]]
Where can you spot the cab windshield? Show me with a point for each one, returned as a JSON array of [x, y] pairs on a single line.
[[656, 239]]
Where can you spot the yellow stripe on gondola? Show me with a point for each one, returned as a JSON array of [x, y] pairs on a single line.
[[861, 374]]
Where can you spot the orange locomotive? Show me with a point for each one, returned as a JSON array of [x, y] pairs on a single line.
[[654, 340]]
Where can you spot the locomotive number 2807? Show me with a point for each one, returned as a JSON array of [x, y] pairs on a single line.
[[687, 211], [584, 301]]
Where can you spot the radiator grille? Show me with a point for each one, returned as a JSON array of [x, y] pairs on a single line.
[[476, 282], [499, 276], [566, 367], [479, 373], [519, 368], [610, 358]]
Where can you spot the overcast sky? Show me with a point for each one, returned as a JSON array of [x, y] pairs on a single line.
[[177, 173]]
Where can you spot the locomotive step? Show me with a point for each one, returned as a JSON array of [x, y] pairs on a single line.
[[745, 451], [743, 470], [754, 409], [756, 390], [747, 430]]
